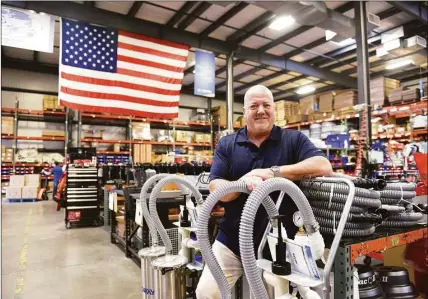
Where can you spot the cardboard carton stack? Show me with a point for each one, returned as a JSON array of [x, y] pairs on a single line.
[[53, 133], [411, 95], [23, 186], [380, 88], [345, 99], [7, 125], [326, 101], [142, 153], [141, 131], [16, 182], [6, 154], [285, 109], [308, 105], [32, 184], [219, 115], [51, 103], [395, 96]]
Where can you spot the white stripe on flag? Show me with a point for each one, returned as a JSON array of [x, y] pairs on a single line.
[[118, 90], [116, 104], [149, 57], [149, 70], [154, 46], [119, 77]]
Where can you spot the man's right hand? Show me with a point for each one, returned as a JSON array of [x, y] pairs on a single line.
[[251, 181]]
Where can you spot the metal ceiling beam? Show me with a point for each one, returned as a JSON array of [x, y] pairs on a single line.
[[184, 10], [242, 75], [252, 28], [224, 18], [189, 70], [414, 77], [29, 65], [134, 8], [116, 20], [199, 10], [258, 81], [90, 3], [285, 93], [388, 13], [413, 8]]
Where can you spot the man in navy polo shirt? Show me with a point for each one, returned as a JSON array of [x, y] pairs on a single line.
[[255, 153]]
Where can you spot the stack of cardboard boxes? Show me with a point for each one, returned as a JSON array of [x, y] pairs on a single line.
[[51, 103], [141, 131], [219, 115], [6, 154], [345, 99], [23, 186], [142, 153], [284, 110], [380, 88], [53, 133], [7, 125]]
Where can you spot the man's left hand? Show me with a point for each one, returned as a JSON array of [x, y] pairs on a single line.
[[263, 173]]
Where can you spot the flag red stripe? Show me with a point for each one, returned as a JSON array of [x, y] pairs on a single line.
[[150, 63], [116, 83], [118, 110], [150, 51], [109, 96], [153, 40], [148, 76]]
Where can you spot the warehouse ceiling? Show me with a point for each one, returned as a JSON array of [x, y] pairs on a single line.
[[284, 59]]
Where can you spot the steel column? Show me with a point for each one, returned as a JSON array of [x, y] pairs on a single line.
[[363, 62], [343, 275], [79, 128], [66, 131], [229, 88], [15, 134]]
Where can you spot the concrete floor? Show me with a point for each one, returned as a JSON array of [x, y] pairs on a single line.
[[43, 260]]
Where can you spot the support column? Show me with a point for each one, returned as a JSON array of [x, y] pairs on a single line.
[[363, 65], [79, 128], [229, 88], [66, 131], [15, 134]]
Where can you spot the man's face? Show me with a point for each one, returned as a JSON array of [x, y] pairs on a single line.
[[259, 114]]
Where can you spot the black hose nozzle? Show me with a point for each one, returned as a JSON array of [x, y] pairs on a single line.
[[376, 184], [184, 221], [280, 266]]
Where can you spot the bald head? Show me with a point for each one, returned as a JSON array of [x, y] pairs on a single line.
[[257, 90]]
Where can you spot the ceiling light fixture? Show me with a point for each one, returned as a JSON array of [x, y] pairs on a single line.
[[281, 22], [306, 89], [397, 64]]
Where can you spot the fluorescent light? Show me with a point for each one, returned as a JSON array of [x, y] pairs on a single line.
[[42, 13], [306, 89], [281, 22], [398, 64]]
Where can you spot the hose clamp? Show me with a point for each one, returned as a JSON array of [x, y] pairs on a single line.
[[310, 229]]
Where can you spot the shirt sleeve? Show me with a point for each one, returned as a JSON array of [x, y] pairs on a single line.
[[220, 165], [306, 149]]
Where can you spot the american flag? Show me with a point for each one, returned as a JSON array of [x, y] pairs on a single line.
[[114, 71]]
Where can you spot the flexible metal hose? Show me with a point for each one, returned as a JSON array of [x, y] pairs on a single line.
[[398, 224], [246, 243], [152, 205], [338, 188], [400, 186], [394, 209], [341, 198], [390, 201], [406, 217], [335, 206], [349, 232], [397, 194], [363, 217], [203, 236], [330, 223], [143, 202]]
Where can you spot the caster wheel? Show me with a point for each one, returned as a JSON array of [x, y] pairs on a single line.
[[68, 225]]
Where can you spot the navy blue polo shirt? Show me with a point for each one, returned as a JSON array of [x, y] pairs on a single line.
[[235, 156]]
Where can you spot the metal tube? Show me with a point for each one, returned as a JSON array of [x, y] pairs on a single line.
[[363, 63], [79, 128], [229, 88], [340, 229], [15, 134], [66, 131]]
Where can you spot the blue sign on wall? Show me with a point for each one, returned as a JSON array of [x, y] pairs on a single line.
[[204, 74]]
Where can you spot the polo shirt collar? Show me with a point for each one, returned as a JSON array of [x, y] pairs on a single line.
[[275, 134]]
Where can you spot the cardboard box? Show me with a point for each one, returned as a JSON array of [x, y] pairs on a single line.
[[198, 138], [326, 101], [308, 105], [7, 125], [207, 138], [219, 115], [13, 192], [294, 119], [32, 180], [17, 180], [53, 133], [29, 191], [141, 131], [116, 147], [344, 99], [182, 136], [3, 149]]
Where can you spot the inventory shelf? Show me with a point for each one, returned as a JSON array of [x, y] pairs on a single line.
[[350, 249], [395, 111], [112, 153], [32, 112], [39, 138], [414, 133], [7, 177], [143, 142], [25, 164]]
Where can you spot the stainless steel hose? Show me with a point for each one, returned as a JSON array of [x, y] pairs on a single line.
[[341, 198], [152, 205], [334, 206], [401, 186], [246, 244], [338, 188], [330, 223], [397, 194], [406, 217], [349, 233], [398, 224]]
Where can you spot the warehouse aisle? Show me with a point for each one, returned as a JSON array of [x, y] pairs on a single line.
[[43, 260]]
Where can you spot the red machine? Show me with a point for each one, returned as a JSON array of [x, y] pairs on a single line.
[[422, 165]]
